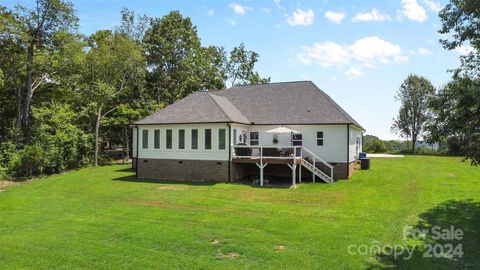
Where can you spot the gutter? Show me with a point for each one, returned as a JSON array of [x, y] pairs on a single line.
[[229, 152], [136, 160], [348, 151]]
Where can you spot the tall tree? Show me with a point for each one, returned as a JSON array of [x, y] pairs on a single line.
[[116, 66], [461, 23], [33, 31], [413, 94], [456, 106], [240, 68], [172, 47], [456, 116]]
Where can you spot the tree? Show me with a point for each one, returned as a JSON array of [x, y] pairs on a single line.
[[240, 68], [133, 25], [456, 106], [116, 67], [456, 116], [34, 30], [461, 22], [414, 94], [172, 47]]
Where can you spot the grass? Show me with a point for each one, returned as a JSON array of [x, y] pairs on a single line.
[[104, 218]]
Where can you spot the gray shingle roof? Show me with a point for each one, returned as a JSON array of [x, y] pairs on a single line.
[[274, 103]]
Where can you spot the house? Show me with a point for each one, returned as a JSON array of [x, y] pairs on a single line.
[[249, 131]]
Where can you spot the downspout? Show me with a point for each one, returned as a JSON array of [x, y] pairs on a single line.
[[136, 160], [348, 151], [229, 152]]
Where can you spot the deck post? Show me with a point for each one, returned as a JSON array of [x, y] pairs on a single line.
[[300, 173], [293, 167], [261, 166], [313, 174]]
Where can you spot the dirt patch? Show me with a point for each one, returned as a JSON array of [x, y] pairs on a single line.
[[173, 188], [230, 255], [278, 248], [6, 183], [215, 242]]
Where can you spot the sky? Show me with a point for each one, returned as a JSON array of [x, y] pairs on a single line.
[[358, 52]]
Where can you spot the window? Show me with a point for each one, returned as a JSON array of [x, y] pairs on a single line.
[[320, 138], [194, 138], [181, 139], [221, 139], [156, 139], [208, 139], [144, 139], [169, 139], [254, 138], [234, 136], [297, 139]]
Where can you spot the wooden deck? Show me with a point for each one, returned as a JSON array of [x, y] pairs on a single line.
[[267, 160]]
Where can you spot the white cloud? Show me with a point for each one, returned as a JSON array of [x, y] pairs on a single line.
[[326, 54], [353, 59], [335, 17], [301, 17], [413, 11], [422, 52], [433, 6], [354, 72], [238, 9], [210, 12], [267, 10], [373, 16], [464, 49]]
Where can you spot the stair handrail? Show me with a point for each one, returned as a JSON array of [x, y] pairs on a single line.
[[315, 157]]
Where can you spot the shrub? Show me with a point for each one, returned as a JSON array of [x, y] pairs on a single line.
[[28, 162], [375, 146], [65, 145]]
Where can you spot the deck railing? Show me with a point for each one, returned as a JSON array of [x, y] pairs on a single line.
[[270, 152], [285, 153]]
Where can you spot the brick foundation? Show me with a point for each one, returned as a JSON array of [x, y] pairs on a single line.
[[183, 170], [134, 162], [208, 170]]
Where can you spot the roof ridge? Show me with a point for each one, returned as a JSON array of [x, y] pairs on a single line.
[[224, 110], [218, 105], [253, 84]]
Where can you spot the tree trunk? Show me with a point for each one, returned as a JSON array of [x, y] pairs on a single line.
[[97, 133], [27, 95], [414, 141], [127, 144]]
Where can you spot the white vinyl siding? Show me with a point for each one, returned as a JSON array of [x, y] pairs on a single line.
[[188, 153], [134, 142], [354, 148], [334, 148]]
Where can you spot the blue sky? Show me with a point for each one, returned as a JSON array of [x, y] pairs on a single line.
[[357, 51]]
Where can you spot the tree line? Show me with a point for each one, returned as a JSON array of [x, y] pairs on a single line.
[[65, 96], [449, 115]]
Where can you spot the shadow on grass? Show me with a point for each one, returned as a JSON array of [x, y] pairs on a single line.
[[126, 170], [463, 215], [132, 178]]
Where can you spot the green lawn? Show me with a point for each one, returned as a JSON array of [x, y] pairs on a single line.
[[104, 218]]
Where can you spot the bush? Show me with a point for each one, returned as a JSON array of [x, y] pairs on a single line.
[[375, 146], [28, 162], [65, 145]]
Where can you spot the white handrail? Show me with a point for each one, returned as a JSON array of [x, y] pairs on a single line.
[[317, 157]]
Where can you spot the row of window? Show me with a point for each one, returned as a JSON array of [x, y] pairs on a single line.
[[181, 139], [296, 138], [254, 138]]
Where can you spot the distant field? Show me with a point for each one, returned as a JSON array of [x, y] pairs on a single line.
[[104, 218]]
